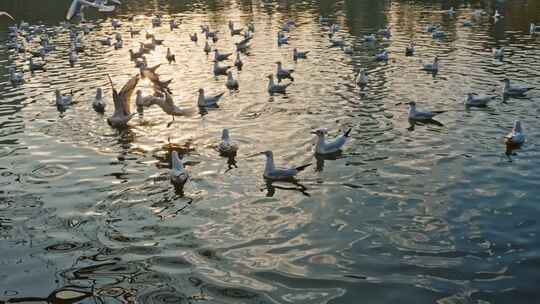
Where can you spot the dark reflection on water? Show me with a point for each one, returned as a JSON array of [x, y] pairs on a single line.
[[439, 212]]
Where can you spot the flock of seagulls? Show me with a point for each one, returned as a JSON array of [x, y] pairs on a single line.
[[163, 98]]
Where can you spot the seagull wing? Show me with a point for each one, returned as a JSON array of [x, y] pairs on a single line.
[[6, 14], [124, 96], [76, 7]]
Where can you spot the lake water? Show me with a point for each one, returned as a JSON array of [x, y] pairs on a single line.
[[430, 214]]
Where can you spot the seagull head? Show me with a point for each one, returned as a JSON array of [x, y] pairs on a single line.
[[270, 76], [201, 91], [319, 132], [517, 126], [412, 104], [278, 63], [506, 80], [225, 134]]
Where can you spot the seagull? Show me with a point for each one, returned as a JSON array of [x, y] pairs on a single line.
[[415, 115], [430, 28], [6, 14], [142, 102], [362, 78], [231, 25], [77, 7], [282, 39], [474, 100], [118, 37], [238, 61], [156, 21], [193, 37], [275, 174], [438, 34], [63, 100], [231, 84], [299, 55], [283, 73], [221, 57], [157, 41], [115, 24], [510, 90], [410, 49], [348, 50], [275, 87], [122, 112], [497, 15], [323, 147], [99, 103], [208, 101], [498, 53], [170, 56], [251, 27], [106, 42], [15, 78], [135, 55], [516, 137], [133, 32], [119, 44], [386, 32], [243, 45], [207, 48], [236, 31], [534, 28], [226, 147], [467, 23], [431, 67], [370, 38], [36, 66], [382, 56], [173, 24], [451, 11], [73, 57], [178, 174], [335, 42], [219, 69]]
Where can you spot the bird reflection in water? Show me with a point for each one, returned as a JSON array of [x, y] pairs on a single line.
[[414, 122], [296, 186], [64, 295], [322, 158], [510, 148]]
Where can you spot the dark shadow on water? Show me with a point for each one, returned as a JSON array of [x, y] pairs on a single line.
[[296, 186], [322, 158], [414, 122]]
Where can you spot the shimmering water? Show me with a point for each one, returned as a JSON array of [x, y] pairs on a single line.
[[406, 215]]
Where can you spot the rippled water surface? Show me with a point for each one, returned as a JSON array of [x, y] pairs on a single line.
[[421, 214]]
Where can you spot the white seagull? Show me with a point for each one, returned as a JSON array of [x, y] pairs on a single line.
[[208, 101], [178, 174], [273, 173], [299, 55], [474, 100], [231, 84], [513, 90], [63, 100], [431, 67], [416, 115], [122, 108], [516, 137], [323, 147], [8, 15], [276, 87], [99, 103], [226, 147], [283, 73], [362, 79]]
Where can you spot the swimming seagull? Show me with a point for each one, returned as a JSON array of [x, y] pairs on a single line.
[[273, 173], [36, 66], [221, 57], [6, 14], [534, 28], [173, 24], [497, 15], [156, 21], [382, 56], [410, 49], [77, 7], [226, 147], [323, 147], [99, 103], [416, 115], [208, 101], [498, 53], [516, 137], [106, 42], [231, 84], [238, 61], [122, 112], [299, 55], [73, 57], [15, 78], [178, 174], [63, 100], [207, 48], [431, 67], [170, 56], [119, 44], [193, 37], [474, 100], [283, 73], [275, 87], [510, 90], [219, 69], [362, 79]]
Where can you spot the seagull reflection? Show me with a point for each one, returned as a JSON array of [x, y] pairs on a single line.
[[322, 158], [414, 122], [64, 295], [297, 186]]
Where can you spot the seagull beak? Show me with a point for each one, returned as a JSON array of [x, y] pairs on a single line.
[[254, 155]]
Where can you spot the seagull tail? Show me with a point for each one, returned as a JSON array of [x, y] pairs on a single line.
[[348, 133], [301, 168]]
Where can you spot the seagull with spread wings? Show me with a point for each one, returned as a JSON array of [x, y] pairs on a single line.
[[122, 107]]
